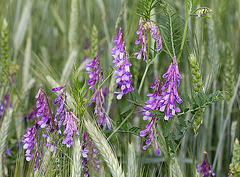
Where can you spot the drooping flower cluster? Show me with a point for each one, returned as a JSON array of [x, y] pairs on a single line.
[[70, 127], [144, 27], [48, 121], [89, 153], [98, 110], [171, 94], [122, 66], [60, 100], [5, 104], [205, 168], [152, 104], [29, 142], [95, 75], [93, 71], [66, 118]]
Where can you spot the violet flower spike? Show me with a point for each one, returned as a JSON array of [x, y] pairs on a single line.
[[205, 168], [89, 153], [152, 104], [60, 100], [29, 141], [95, 77], [48, 121], [93, 71], [70, 128], [98, 110], [142, 32], [124, 78], [171, 94]]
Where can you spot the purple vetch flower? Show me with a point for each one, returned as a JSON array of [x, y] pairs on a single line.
[[93, 71], [30, 115], [43, 109], [122, 66], [95, 75], [98, 97], [124, 78], [171, 94], [70, 128], [31, 141], [144, 27], [89, 153], [60, 100], [152, 104], [205, 168], [48, 121], [7, 151], [6, 104]]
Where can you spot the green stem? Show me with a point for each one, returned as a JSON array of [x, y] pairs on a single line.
[[168, 158], [121, 123], [184, 33], [143, 78]]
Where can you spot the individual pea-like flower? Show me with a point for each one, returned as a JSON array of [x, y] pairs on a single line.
[[60, 100], [70, 128], [144, 28], [122, 66], [205, 168], [152, 104], [89, 154], [171, 94]]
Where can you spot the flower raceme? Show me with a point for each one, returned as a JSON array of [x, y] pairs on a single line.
[[95, 75], [66, 118], [122, 66], [144, 28], [205, 168], [89, 154], [171, 94], [152, 104]]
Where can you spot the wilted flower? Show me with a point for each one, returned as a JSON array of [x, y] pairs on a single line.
[[122, 66], [205, 168], [142, 32], [89, 153], [152, 104], [171, 94]]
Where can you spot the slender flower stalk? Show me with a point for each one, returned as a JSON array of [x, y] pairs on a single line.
[[152, 104], [122, 66], [171, 94], [144, 28]]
